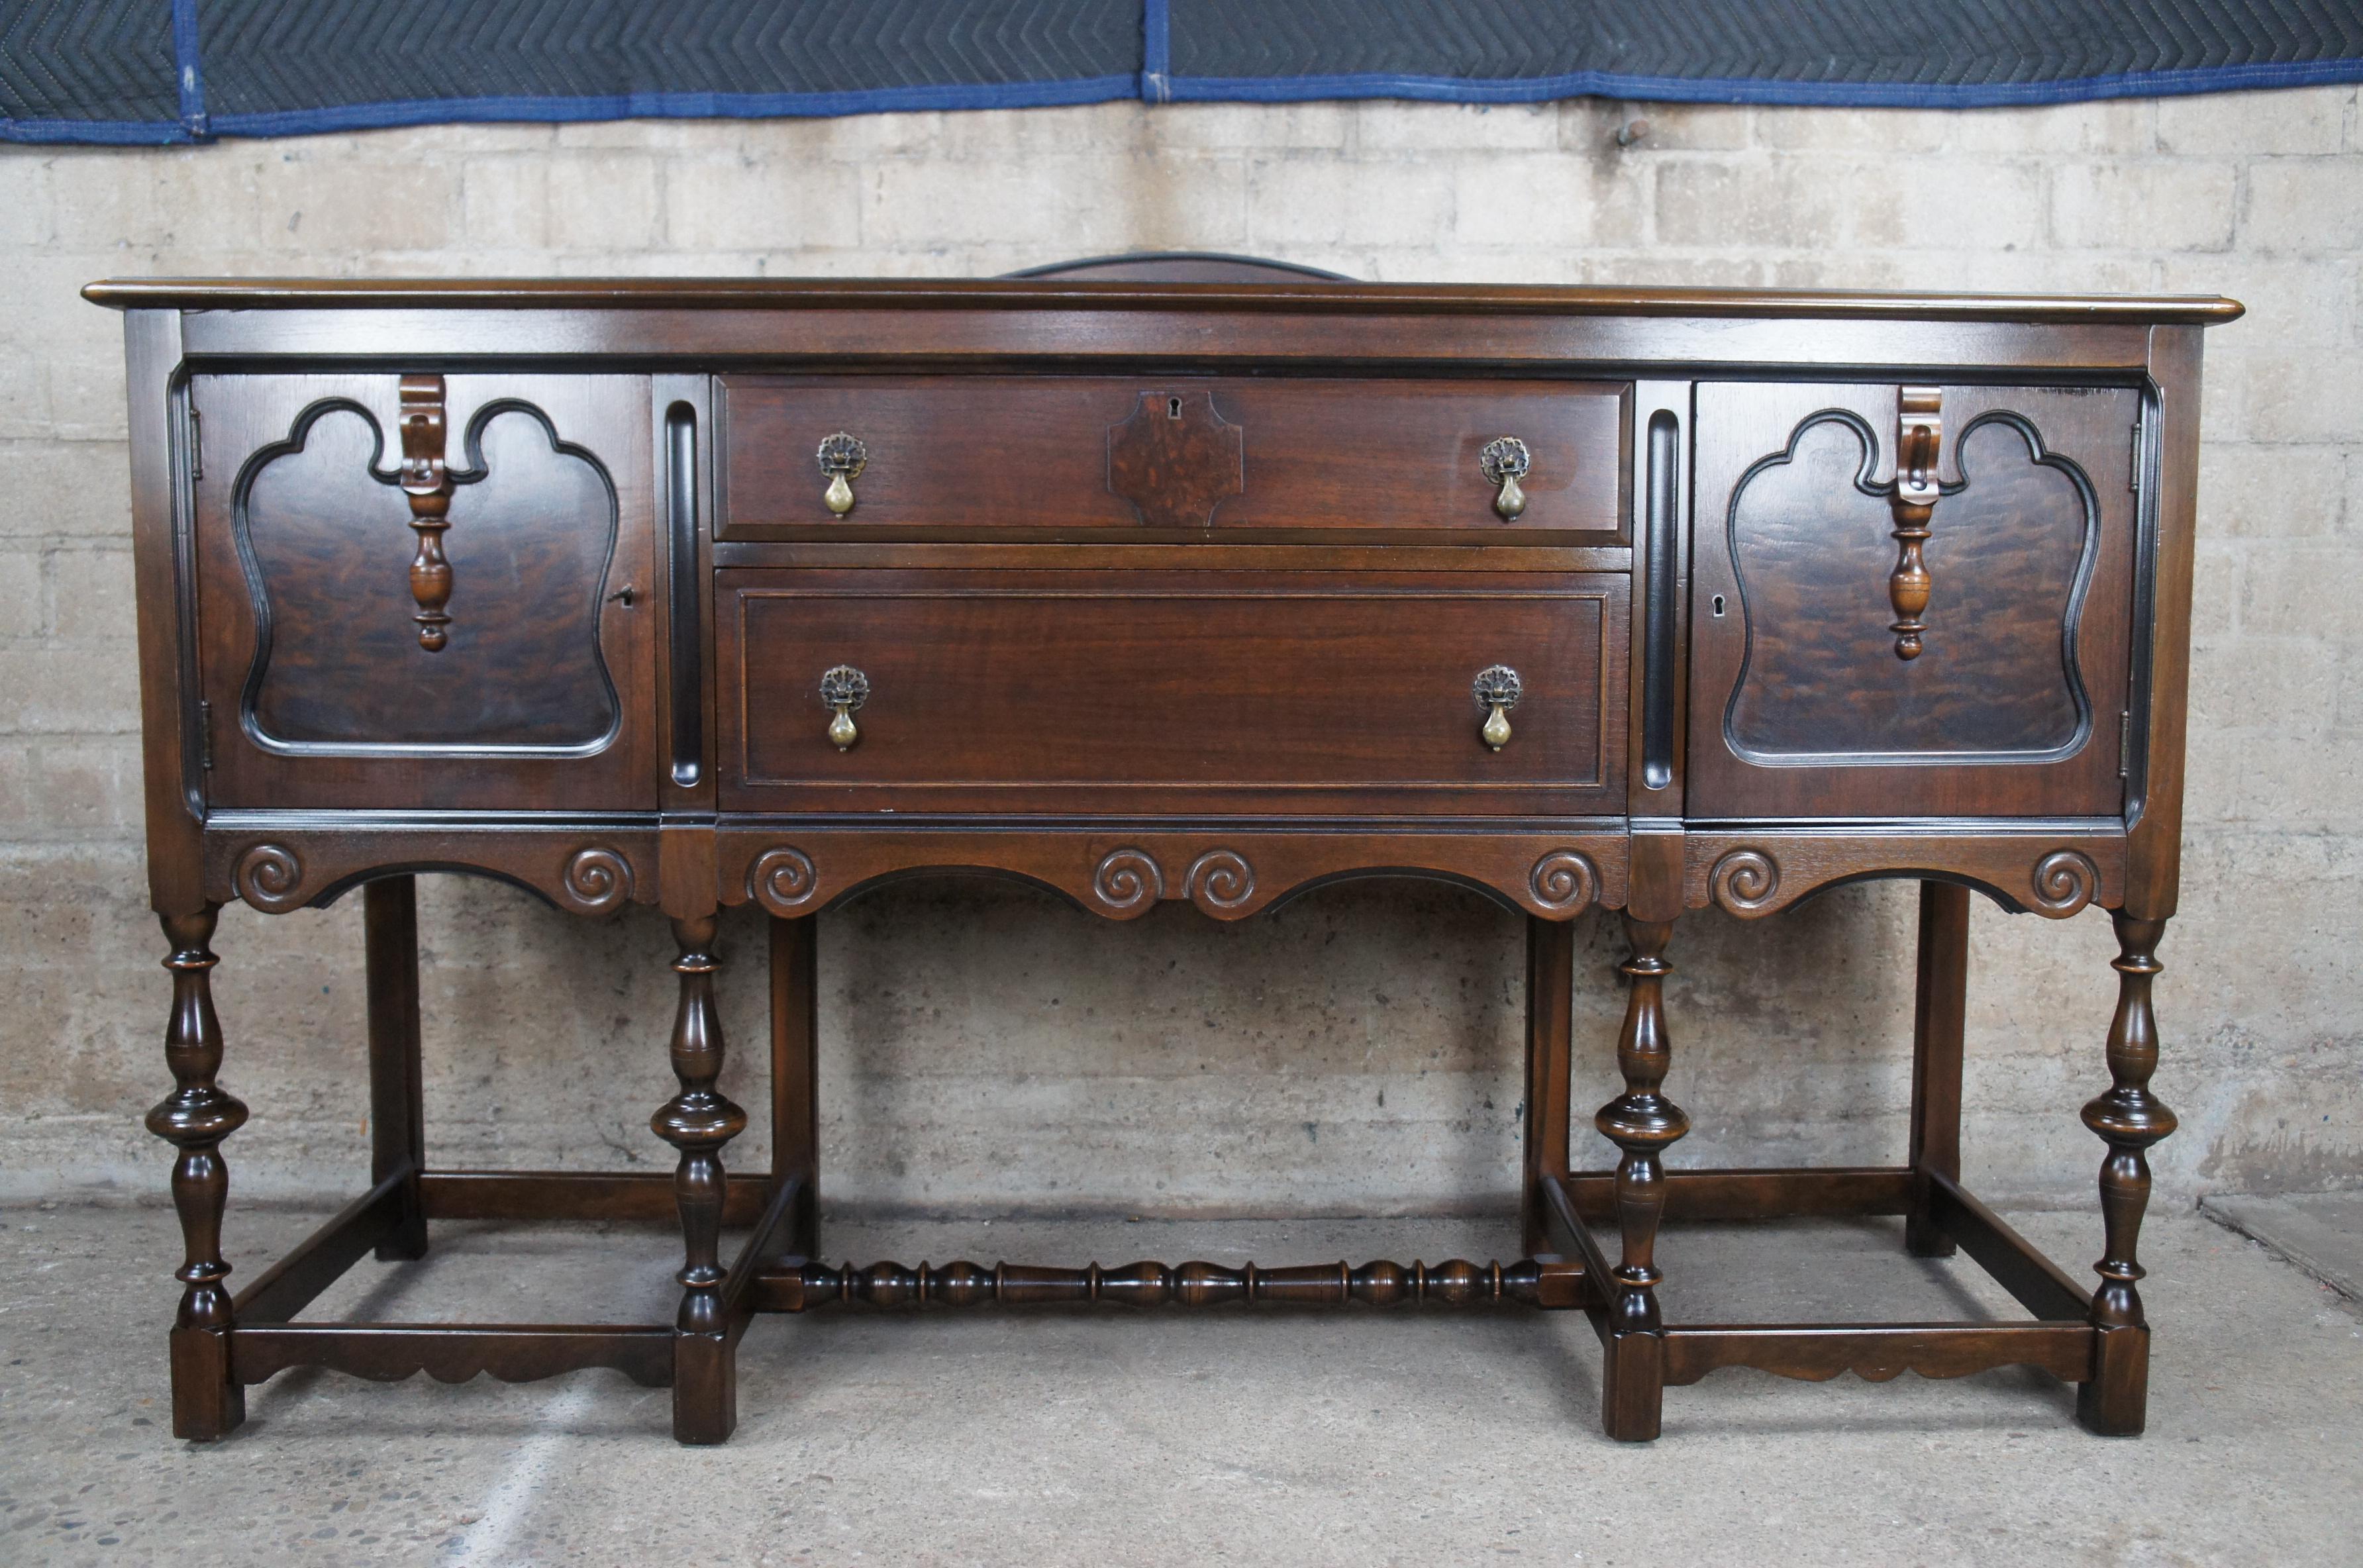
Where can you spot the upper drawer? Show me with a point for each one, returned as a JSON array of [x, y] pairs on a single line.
[[1168, 456]]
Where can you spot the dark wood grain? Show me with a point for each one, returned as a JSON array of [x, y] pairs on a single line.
[[2129, 1118], [1229, 871], [2055, 872], [1938, 1023], [1458, 1282], [795, 1067], [1343, 295], [397, 1088], [698, 1122], [319, 691], [1051, 455], [2017, 705], [1643, 1124], [1220, 659], [194, 1119], [454, 1353], [1550, 1032], [1190, 692]]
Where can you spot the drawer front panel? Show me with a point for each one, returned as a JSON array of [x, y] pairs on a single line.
[[1168, 456], [2013, 704], [319, 689], [1214, 693]]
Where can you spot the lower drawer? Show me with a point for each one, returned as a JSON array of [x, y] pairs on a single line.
[[1151, 691]]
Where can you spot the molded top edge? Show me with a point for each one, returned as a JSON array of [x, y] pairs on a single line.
[[1311, 296]]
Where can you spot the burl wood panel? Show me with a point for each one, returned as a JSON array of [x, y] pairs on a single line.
[[2014, 705], [319, 691], [1186, 691], [1030, 456]]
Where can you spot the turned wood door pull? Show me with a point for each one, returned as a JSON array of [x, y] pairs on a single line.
[[1919, 436], [427, 483]]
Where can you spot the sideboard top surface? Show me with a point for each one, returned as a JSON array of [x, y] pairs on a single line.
[[1307, 296]]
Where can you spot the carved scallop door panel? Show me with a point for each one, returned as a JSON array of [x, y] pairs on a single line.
[[1958, 643], [426, 591]]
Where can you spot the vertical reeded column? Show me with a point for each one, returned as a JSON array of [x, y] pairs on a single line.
[[698, 1122], [207, 1400], [1641, 1122], [2129, 1118]]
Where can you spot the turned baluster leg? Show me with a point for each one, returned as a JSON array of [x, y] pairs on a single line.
[[795, 1111], [207, 1399], [698, 1122], [1641, 1122], [398, 1118], [1936, 1030], [2129, 1118], [1550, 1025]]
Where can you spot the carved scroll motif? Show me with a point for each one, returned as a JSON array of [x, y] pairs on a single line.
[[1220, 881], [1127, 882], [782, 881], [427, 483], [595, 880], [270, 877], [2064, 883], [1744, 881], [1565, 880], [1919, 436]]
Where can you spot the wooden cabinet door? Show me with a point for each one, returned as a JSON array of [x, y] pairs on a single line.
[[318, 691], [1801, 705]]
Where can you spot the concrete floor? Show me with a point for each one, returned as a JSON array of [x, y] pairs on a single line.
[[1069, 1438], [2321, 1232]]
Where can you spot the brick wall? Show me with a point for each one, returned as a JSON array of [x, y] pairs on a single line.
[[1355, 1052]]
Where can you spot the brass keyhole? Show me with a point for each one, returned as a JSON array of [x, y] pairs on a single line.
[[1172, 408], [1718, 606]]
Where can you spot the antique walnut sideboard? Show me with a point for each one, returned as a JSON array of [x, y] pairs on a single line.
[[697, 594]]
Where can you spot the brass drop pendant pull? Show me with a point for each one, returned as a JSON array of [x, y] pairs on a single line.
[[1505, 461], [845, 689], [1497, 689], [842, 458]]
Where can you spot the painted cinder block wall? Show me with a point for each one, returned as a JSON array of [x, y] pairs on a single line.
[[990, 1049]]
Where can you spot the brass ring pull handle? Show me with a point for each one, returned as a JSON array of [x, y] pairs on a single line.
[[1503, 462], [845, 689], [842, 458], [1497, 689]]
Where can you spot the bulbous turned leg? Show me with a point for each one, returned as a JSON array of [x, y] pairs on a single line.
[[1641, 1122], [207, 1400], [2129, 1118], [698, 1122]]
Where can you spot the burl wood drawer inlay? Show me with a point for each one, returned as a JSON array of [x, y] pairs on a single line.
[[1213, 692], [1064, 454]]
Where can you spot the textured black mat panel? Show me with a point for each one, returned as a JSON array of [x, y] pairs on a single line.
[[266, 57], [1933, 52], [85, 65], [180, 70]]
